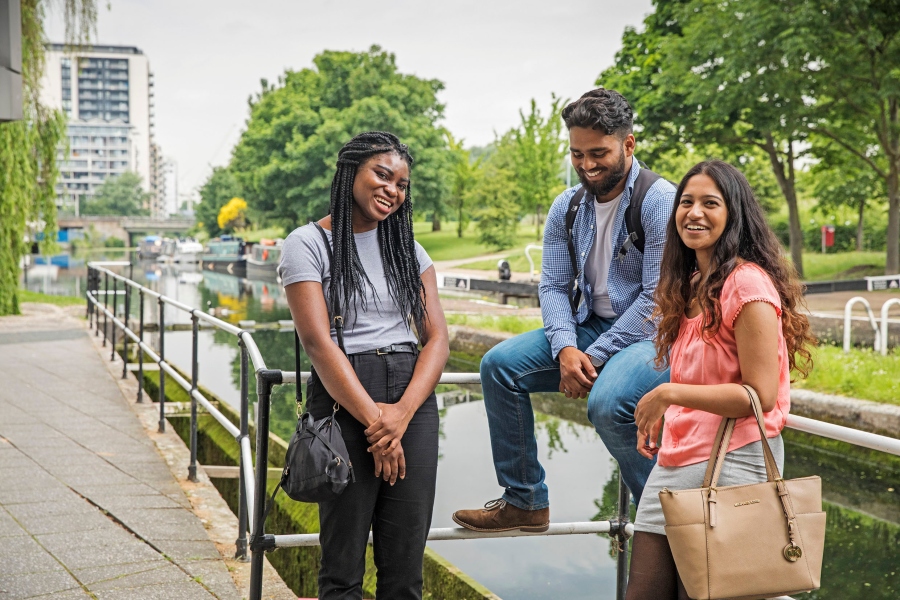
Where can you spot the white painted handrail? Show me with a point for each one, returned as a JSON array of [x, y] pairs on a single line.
[[531, 270], [884, 323], [848, 311]]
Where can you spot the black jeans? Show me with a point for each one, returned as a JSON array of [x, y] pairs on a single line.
[[399, 515]]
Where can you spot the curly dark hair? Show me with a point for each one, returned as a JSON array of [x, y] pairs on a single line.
[[747, 237], [395, 234], [606, 110]]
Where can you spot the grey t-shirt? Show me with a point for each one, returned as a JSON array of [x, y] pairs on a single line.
[[304, 257]]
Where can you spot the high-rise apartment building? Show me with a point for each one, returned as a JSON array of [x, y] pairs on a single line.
[[107, 95]]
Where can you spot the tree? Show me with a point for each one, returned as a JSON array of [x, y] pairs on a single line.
[[496, 194], [726, 73], [28, 170], [462, 179], [286, 157], [221, 187], [856, 45], [539, 150], [840, 179], [122, 195], [233, 215]]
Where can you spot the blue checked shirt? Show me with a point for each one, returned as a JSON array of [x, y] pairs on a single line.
[[631, 280]]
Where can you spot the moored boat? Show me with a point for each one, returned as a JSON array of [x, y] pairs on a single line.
[[180, 251], [225, 255], [263, 259]]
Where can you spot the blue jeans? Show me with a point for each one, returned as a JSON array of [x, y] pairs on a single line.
[[513, 369]]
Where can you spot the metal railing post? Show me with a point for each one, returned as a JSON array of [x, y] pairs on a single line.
[[105, 304], [140, 392], [87, 309], [124, 335], [162, 373], [195, 329], [622, 539], [112, 351], [259, 542], [241, 543]]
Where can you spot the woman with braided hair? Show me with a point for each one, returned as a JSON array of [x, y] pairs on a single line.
[[383, 283]]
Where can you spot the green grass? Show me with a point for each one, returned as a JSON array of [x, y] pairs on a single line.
[[842, 265], [860, 374], [507, 324], [29, 296], [268, 233], [445, 245]]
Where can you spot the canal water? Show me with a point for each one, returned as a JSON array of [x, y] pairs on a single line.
[[861, 488]]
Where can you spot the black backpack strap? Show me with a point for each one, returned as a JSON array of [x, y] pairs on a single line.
[[642, 184], [574, 291], [335, 310]]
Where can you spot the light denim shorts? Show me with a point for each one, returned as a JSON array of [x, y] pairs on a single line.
[[744, 465]]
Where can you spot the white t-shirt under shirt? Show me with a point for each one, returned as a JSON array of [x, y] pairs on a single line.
[[596, 266], [304, 257]]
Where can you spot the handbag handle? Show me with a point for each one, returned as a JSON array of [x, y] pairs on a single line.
[[723, 438]]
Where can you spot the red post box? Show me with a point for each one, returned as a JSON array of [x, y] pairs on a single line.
[[827, 237]]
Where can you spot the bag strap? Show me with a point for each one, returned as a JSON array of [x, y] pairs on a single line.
[[573, 289], [633, 225], [723, 438], [338, 319]]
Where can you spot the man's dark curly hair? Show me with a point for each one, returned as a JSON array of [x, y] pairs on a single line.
[[606, 110]]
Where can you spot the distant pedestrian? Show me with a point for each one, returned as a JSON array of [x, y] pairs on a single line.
[[728, 305], [383, 283], [600, 348]]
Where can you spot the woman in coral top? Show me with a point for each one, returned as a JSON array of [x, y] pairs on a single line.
[[727, 304]]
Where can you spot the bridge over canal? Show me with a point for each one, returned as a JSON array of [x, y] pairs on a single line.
[[126, 228]]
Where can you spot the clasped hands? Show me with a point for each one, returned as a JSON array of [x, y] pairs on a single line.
[[384, 436], [577, 373]]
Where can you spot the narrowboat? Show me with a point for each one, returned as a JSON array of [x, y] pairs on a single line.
[[225, 254], [263, 259]]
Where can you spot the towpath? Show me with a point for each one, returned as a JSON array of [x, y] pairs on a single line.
[[88, 504]]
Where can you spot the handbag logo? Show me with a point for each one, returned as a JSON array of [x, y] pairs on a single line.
[[747, 502]]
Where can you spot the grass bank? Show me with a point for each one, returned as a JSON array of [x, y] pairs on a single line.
[[861, 374], [446, 245], [29, 296]]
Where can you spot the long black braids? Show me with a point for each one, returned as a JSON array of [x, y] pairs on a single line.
[[395, 235]]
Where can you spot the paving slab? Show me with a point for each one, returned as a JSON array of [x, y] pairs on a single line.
[[74, 457]]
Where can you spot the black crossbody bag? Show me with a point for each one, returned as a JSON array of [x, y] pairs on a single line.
[[317, 465]]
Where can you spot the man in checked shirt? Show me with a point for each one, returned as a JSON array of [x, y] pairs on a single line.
[[599, 348]]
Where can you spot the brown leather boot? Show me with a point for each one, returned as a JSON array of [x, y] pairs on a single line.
[[498, 515]]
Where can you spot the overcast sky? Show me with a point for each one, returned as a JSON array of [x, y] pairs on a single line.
[[208, 57]]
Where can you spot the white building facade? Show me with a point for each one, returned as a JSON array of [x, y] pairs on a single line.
[[107, 95]]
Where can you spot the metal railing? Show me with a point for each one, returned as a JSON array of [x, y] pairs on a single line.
[[252, 486]]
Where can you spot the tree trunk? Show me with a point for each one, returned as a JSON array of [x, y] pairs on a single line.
[[892, 265], [436, 222], [786, 181], [859, 225], [459, 221]]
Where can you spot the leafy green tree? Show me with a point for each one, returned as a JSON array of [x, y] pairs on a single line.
[[539, 150], [218, 190], [724, 73], [122, 195], [463, 177], [496, 194], [855, 44], [286, 157], [28, 170], [840, 179]]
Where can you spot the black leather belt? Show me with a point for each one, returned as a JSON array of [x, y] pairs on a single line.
[[392, 349]]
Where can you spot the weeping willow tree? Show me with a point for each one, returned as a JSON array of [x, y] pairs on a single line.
[[28, 147]]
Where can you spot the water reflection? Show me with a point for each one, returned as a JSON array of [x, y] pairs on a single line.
[[861, 487]]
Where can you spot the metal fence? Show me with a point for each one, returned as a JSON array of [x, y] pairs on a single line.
[[252, 495]]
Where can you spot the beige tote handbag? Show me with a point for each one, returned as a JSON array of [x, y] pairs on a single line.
[[746, 541]]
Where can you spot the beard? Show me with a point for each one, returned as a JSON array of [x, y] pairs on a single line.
[[613, 177]]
